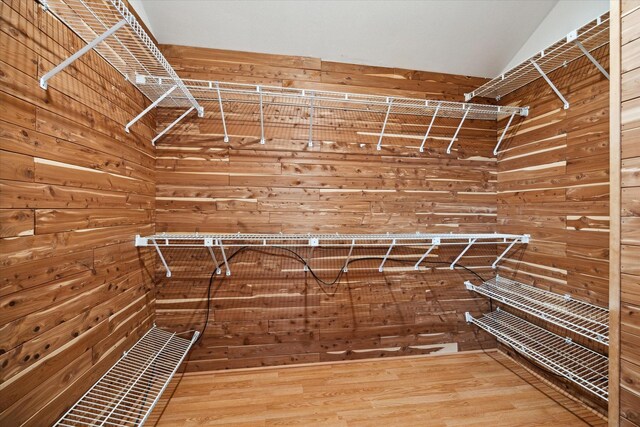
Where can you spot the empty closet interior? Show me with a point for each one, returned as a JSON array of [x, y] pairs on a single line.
[[193, 235]]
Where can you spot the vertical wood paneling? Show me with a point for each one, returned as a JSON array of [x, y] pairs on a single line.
[[74, 190]]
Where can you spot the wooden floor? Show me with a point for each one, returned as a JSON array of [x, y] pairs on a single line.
[[449, 390]]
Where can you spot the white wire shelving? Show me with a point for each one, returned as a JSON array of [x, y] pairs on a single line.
[[579, 42], [573, 315], [347, 241], [223, 96], [127, 393], [109, 28], [578, 364]]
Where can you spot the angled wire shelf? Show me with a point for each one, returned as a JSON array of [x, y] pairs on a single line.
[[576, 316], [348, 241], [109, 28], [580, 42], [582, 366], [223, 96], [127, 393]]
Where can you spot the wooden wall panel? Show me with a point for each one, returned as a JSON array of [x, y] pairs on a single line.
[[74, 190], [628, 242], [270, 311]]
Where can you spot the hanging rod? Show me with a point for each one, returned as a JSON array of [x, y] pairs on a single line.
[[127, 393], [576, 44], [383, 107], [347, 241], [109, 28]]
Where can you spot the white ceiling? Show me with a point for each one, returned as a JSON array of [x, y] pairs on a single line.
[[469, 37]]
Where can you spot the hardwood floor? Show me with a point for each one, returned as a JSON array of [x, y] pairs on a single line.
[[449, 390]]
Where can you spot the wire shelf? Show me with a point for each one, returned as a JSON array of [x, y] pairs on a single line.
[[128, 392], [129, 49], [576, 316], [582, 366], [590, 36]]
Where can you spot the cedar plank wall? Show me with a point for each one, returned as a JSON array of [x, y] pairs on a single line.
[[553, 183], [630, 217], [74, 190], [269, 312]]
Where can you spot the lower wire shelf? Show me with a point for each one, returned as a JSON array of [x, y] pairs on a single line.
[[127, 393], [584, 367]]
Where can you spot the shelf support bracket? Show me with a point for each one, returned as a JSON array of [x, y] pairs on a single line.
[[64, 64], [455, 135], [164, 262], [262, 140], [150, 107], [504, 132], [384, 126], [381, 268], [426, 135], [345, 269], [224, 258], [224, 123], [208, 242], [311, 122], [592, 59], [550, 83], [471, 242], [495, 263], [435, 242], [168, 128]]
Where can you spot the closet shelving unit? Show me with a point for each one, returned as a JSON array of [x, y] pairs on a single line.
[[579, 42], [573, 315], [109, 28], [346, 241], [127, 393], [309, 104], [582, 366]]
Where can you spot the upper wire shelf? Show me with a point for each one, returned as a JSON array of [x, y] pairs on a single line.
[[223, 95], [577, 316], [109, 28], [127, 393], [577, 43], [582, 366], [347, 241]]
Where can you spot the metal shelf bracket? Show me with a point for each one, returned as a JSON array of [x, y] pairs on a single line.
[[434, 243], [550, 83], [384, 126], [168, 128], [311, 121], [504, 132], [150, 107], [453, 264], [592, 59], [455, 135], [224, 122], [381, 268], [262, 140], [426, 135], [64, 64], [208, 242]]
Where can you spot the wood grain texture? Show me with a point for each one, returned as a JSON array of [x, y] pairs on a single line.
[[271, 312], [627, 361], [455, 390], [74, 189]]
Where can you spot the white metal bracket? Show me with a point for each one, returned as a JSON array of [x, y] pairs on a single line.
[[381, 268], [453, 264], [495, 263], [311, 122], [384, 126], [434, 242], [346, 263], [164, 262], [64, 64], [550, 83], [175, 122], [150, 107], [426, 135], [592, 59], [224, 258], [262, 140], [504, 132], [208, 242], [455, 135], [224, 122]]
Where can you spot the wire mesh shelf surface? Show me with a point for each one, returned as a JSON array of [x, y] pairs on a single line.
[[576, 316], [591, 36], [129, 50], [240, 93], [128, 392], [572, 361]]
